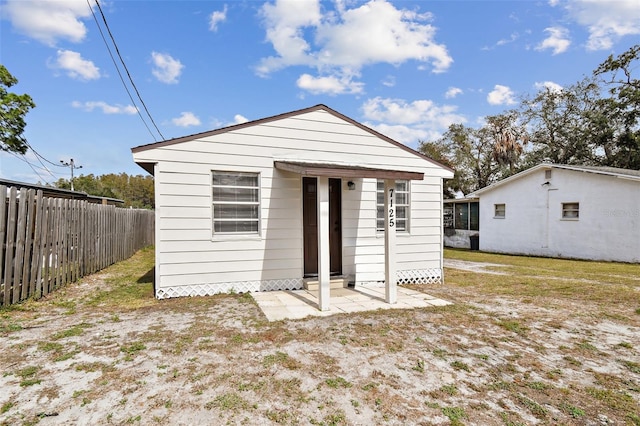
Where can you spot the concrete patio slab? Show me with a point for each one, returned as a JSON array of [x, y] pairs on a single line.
[[296, 304]]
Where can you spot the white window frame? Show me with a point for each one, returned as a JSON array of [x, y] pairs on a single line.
[[221, 203], [571, 211], [406, 206], [499, 211]]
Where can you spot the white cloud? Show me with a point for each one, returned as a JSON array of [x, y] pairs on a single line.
[[105, 107], [511, 39], [407, 135], [452, 92], [217, 17], [75, 66], [501, 95], [389, 81], [285, 21], [550, 85], [558, 40], [239, 119], [186, 119], [341, 42], [409, 122], [606, 21], [331, 85], [166, 68], [48, 21]]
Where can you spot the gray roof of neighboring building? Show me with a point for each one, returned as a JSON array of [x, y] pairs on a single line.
[[50, 191]]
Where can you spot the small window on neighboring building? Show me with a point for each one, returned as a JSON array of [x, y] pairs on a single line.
[[236, 203], [500, 210], [570, 210], [402, 205], [547, 174]]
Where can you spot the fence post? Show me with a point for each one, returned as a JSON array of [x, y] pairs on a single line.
[[11, 235], [6, 296], [18, 279]]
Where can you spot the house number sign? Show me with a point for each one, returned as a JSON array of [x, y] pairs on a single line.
[[392, 210]]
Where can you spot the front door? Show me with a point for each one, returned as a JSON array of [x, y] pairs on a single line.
[[310, 225]]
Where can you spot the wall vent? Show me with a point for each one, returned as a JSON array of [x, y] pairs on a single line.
[[547, 174]]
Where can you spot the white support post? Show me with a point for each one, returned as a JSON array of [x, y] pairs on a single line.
[[390, 222], [324, 264]]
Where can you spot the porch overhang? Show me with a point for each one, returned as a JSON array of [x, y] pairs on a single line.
[[344, 171], [323, 172]]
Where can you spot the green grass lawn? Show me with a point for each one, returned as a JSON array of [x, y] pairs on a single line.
[[599, 282]]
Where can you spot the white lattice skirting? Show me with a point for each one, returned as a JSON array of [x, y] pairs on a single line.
[[420, 276], [237, 287], [411, 276]]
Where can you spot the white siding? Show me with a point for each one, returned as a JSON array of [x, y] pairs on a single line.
[[188, 254], [608, 227]]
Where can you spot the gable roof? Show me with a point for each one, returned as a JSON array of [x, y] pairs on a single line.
[[274, 118], [608, 171]]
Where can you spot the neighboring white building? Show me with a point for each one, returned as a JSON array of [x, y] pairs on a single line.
[[311, 193], [563, 211]]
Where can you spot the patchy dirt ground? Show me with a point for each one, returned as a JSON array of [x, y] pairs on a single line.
[[489, 359]]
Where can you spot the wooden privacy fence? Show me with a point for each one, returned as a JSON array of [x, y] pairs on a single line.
[[48, 242]]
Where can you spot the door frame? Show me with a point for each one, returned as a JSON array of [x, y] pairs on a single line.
[[310, 223]]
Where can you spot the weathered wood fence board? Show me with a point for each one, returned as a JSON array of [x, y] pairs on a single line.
[[49, 242]]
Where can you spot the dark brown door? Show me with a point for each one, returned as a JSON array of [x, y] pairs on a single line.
[[310, 226]]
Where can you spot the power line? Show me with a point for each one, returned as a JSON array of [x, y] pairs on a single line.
[[115, 64], [39, 156], [23, 158], [115, 45]]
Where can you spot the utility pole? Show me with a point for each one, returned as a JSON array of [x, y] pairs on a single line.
[[72, 166]]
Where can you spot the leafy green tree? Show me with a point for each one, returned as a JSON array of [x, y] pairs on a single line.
[[440, 153], [135, 191], [558, 122], [13, 108], [618, 119], [470, 152]]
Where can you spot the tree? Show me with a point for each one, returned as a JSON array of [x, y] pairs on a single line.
[[13, 108], [135, 191], [558, 124], [618, 120], [440, 153], [509, 139], [469, 152]]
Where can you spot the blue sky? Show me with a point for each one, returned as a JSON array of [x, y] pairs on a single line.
[[408, 69]]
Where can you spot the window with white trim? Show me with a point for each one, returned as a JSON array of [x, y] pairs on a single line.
[[499, 211], [402, 205], [236, 203], [571, 211]]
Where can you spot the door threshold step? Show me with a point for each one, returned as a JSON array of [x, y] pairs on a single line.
[[312, 284]]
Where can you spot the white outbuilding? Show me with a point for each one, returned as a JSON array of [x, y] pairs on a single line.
[[310, 195], [554, 210]]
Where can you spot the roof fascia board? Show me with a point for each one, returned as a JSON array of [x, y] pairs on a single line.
[[595, 171], [509, 179]]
